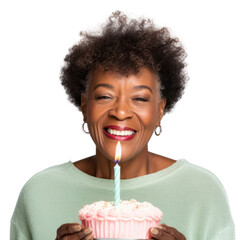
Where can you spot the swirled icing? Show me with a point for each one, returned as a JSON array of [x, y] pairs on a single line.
[[126, 210]]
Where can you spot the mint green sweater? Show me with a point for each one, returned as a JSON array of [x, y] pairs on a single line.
[[191, 198]]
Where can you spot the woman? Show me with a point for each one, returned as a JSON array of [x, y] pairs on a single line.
[[124, 80]]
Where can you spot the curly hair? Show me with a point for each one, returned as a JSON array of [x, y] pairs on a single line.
[[124, 46]]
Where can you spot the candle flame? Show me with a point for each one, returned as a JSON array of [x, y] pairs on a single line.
[[118, 152]]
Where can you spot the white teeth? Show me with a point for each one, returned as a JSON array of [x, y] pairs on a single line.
[[120, 133]]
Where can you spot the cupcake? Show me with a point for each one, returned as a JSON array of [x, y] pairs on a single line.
[[129, 219]]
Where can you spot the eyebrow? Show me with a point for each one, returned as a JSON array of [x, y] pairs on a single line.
[[111, 86], [143, 87], [104, 85]]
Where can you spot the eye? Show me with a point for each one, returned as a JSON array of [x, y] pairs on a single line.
[[140, 99], [102, 97]]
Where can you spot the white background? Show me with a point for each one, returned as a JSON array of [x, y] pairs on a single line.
[[40, 128]]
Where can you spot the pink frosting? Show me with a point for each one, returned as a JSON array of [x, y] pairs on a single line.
[[130, 219], [124, 211]]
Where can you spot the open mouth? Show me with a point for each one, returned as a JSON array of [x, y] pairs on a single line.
[[121, 135]]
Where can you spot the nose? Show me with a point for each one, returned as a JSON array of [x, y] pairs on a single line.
[[121, 110]]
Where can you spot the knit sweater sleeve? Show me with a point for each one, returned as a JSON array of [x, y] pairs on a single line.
[[19, 228], [15, 232], [227, 233]]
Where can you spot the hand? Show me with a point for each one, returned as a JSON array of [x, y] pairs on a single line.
[[163, 232], [74, 231]]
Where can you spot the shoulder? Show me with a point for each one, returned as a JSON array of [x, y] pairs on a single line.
[[186, 174], [36, 189], [190, 174], [45, 180], [201, 179], [190, 178], [199, 185], [201, 175], [208, 197], [205, 189], [49, 172]]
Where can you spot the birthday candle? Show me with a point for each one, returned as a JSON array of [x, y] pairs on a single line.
[[117, 174]]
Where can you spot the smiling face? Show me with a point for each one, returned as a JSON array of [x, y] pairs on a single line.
[[125, 109]]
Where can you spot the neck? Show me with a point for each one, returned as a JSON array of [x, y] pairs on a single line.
[[135, 167]]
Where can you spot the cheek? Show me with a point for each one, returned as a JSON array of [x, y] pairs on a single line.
[[96, 116], [95, 112], [148, 116]]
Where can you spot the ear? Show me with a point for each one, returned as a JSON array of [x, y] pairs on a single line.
[[161, 108], [84, 107]]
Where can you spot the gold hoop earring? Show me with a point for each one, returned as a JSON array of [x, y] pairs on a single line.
[[84, 128], [160, 130]]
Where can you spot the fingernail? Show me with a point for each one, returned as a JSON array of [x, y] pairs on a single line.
[[154, 231], [77, 228]]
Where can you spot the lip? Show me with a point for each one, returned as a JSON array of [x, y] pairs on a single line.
[[119, 138]]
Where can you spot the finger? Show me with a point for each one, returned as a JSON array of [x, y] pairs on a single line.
[[68, 229], [89, 237], [85, 234], [159, 234], [172, 231]]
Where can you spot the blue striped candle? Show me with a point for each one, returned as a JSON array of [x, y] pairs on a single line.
[[117, 172], [117, 183]]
